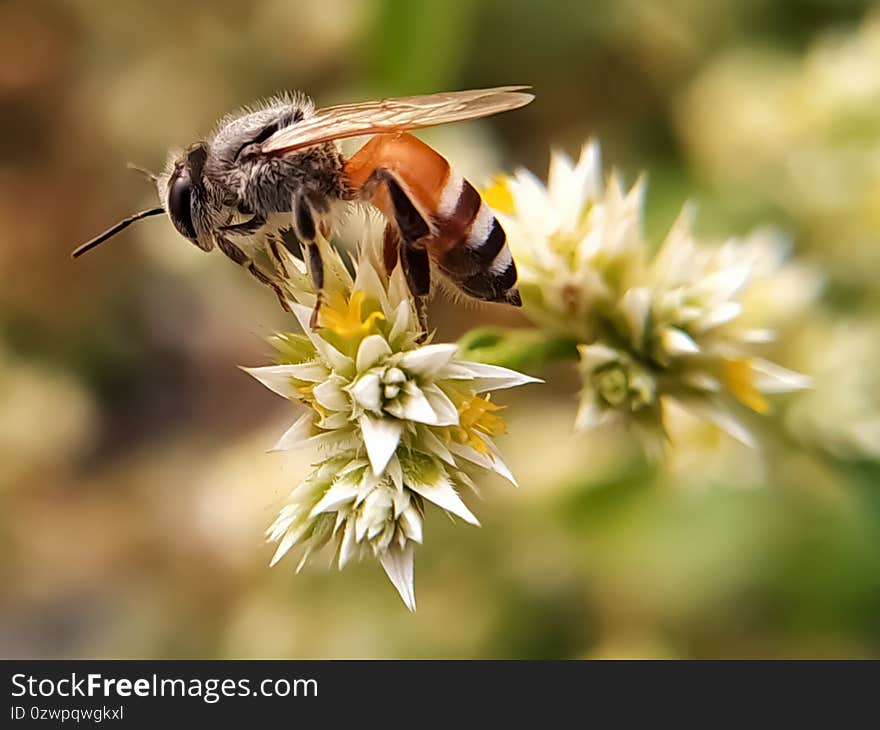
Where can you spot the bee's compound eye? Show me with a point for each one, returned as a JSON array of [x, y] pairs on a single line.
[[180, 205]]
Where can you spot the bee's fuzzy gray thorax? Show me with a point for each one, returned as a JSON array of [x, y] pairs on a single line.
[[256, 183], [272, 106]]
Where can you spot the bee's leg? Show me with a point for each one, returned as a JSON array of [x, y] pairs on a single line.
[[410, 223], [390, 247], [263, 279], [306, 231], [417, 270], [241, 258], [245, 227], [316, 267], [412, 229], [274, 245]]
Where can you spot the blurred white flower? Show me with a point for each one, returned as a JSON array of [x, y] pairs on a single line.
[[398, 423], [672, 326], [841, 414], [573, 239]]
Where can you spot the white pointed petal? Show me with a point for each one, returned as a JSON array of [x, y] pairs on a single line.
[[701, 381], [532, 197], [499, 466], [758, 336], [428, 360], [395, 472], [447, 413], [721, 418], [398, 565], [571, 186], [401, 322], [589, 413], [401, 499], [287, 542], [303, 315], [367, 391], [368, 281], [720, 315], [485, 461], [411, 405], [361, 525], [311, 372], [398, 290], [772, 378], [457, 371], [353, 465], [726, 282], [636, 304], [595, 356], [335, 359], [371, 351], [342, 491], [732, 427], [333, 441], [444, 496], [281, 525], [334, 266], [302, 561], [348, 544], [293, 437], [472, 455], [381, 437], [652, 440], [329, 394], [411, 524], [433, 445], [493, 377], [335, 420], [277, 378], [676, 342], [280, 375]]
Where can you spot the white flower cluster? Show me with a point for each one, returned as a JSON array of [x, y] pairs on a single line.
[[400, 424], [650, 328]]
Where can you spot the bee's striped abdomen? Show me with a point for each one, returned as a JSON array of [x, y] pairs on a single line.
[[472, 247], [464, 240]]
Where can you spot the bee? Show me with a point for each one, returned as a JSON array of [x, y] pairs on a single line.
[[279, 167]]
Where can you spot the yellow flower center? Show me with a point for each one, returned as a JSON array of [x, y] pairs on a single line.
[[739, 377], [476, 416], [497, 195], [306, 390], [344, 316]]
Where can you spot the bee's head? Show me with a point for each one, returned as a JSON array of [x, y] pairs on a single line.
[[183, 194]]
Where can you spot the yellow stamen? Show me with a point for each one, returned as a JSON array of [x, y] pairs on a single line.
[[739, 377], [497, 195], [308, 398], [476, 416], [343, 316]]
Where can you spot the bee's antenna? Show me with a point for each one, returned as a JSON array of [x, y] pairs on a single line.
[[146, 173], [110, 232]]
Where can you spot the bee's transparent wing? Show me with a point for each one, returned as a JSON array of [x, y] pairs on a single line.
[[395, 115]]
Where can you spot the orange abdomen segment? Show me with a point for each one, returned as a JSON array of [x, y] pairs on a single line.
[[465, 240], [423, 171]]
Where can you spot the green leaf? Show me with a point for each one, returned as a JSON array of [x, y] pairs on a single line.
[[519, 349]]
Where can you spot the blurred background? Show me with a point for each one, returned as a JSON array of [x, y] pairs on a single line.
[[134, 481]]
